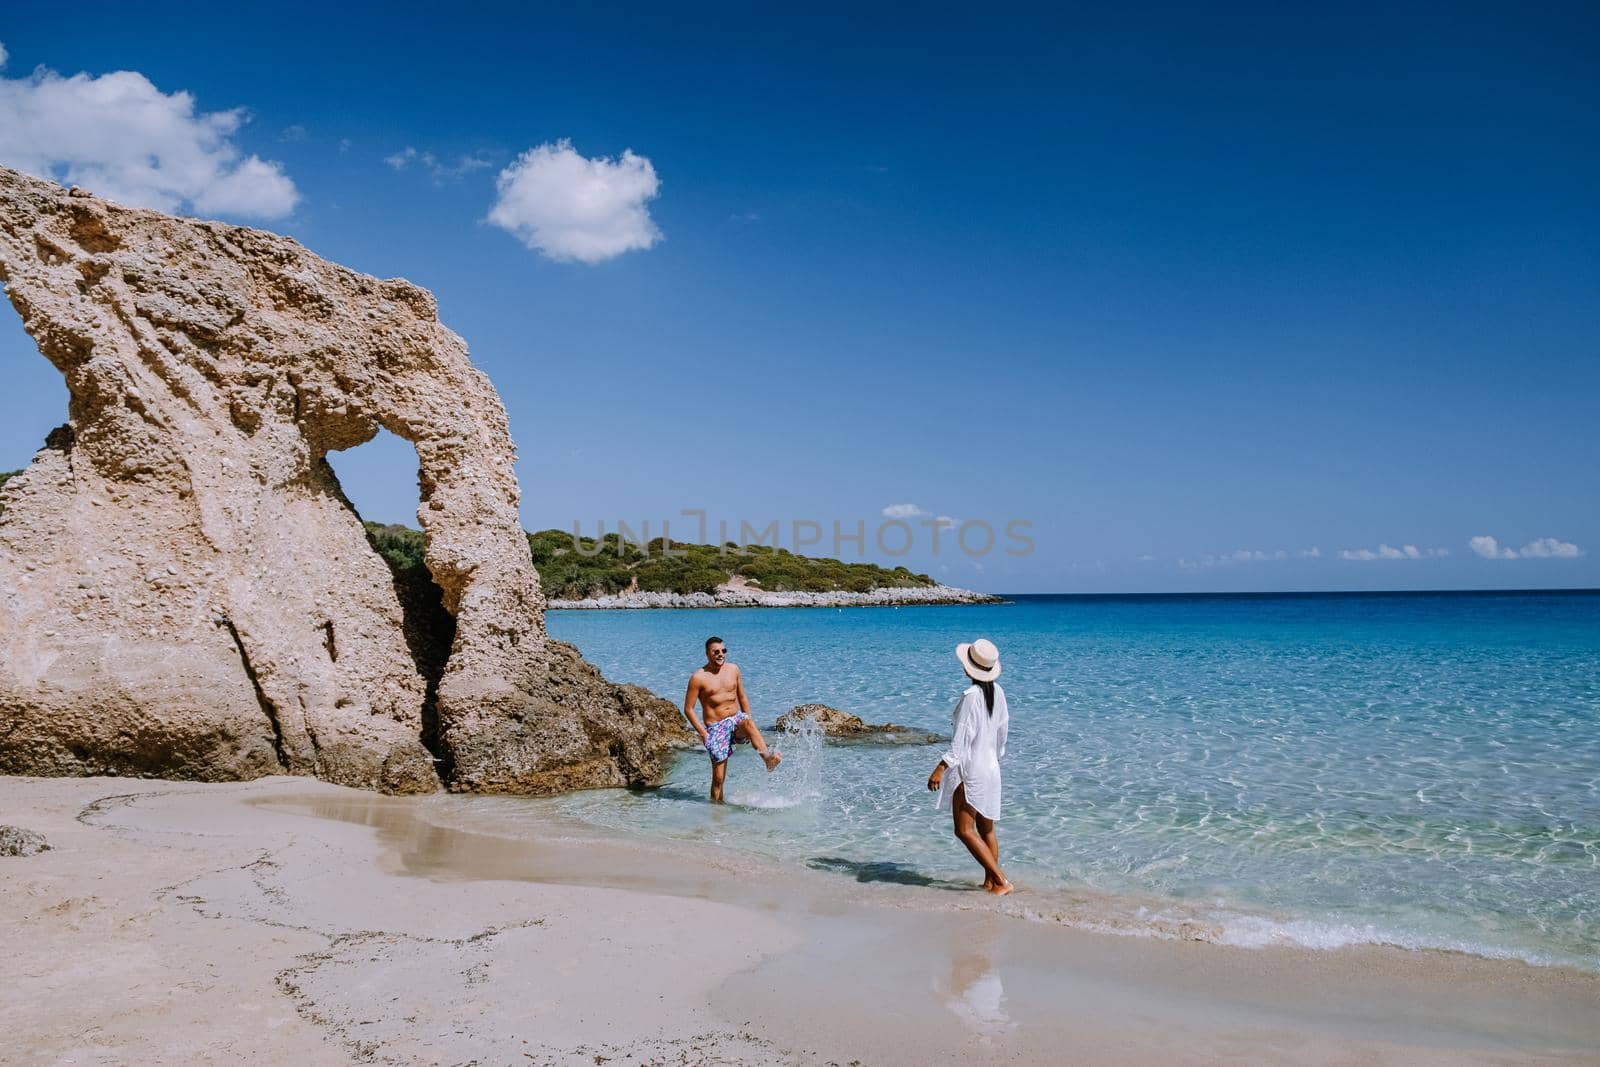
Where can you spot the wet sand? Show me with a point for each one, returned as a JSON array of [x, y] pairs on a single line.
[[287, 919]]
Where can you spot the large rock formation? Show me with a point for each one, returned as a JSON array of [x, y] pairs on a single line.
[[184, 589]]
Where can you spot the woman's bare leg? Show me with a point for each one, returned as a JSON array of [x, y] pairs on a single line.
[[753, 735], [965, 817], [986, 831]]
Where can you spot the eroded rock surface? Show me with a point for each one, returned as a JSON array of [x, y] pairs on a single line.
[[15, 841], [184, 589]]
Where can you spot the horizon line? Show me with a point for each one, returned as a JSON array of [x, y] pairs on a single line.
[[1563, 590]]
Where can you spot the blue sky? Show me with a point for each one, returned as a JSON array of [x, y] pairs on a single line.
[[1184, 291]]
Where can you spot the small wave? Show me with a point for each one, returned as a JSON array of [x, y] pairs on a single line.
[[1128, 917], [1254, 931]]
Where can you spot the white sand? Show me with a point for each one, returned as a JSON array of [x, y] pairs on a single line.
[[291, 921]]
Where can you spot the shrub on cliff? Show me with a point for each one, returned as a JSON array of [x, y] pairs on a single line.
[[589, 566]]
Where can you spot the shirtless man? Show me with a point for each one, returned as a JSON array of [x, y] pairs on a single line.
[[720, 691]]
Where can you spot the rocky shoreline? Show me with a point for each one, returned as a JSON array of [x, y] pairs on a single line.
[[746, 597]]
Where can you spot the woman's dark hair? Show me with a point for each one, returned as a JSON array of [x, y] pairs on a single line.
[[988, 694]]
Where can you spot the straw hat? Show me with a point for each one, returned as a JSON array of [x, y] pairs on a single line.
[[981, 660]]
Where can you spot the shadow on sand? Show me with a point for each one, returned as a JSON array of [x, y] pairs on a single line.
[[896, 873]]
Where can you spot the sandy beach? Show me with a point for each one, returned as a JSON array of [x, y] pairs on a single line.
[[288, 920]]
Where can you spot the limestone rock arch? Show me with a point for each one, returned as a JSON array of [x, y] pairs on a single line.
[[184, 589]]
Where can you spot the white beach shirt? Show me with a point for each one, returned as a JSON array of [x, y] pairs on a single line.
[[977, 741]]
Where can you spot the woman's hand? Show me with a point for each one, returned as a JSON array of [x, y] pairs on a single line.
[[935, 778]]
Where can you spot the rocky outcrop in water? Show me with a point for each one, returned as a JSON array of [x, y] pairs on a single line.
[[184, 589], [839, 725]]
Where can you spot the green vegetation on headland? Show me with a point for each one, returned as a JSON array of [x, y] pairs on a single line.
[[572, 569]]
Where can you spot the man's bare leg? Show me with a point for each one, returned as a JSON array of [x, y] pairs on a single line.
[[753, 735], [719, 772]]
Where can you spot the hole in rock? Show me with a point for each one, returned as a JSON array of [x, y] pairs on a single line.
[[379, 482], [34, 401]]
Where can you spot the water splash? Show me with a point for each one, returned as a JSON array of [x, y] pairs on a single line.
[[798, 779]]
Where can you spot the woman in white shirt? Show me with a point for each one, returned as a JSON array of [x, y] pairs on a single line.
[[967, 779]]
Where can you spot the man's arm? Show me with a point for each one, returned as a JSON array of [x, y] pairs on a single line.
[[744, 701], [689, 699]]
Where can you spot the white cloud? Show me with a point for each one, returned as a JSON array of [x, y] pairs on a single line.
[[1390, 552], [436, 168], [1145, 558], [1489, 548], [902, 511], [120, 137], [1310, 553], [1240, 555], [1549, 547], [947, 521], [1541, 548], [3, 56], [567, 207]]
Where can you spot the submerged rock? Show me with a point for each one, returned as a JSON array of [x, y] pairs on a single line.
[[839, 725], [186, 592], [15, 841]]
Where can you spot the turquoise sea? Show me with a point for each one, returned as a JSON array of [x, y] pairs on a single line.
[[1414, 769]]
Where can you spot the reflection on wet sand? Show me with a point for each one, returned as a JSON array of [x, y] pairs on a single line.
[[421, 847], [972, 989]]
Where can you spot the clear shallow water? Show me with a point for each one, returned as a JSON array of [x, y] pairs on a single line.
[[1413, 769]]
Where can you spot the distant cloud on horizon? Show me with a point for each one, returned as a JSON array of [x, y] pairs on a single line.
[[1239, 555], [1388, 552], [120, 137], [903, 511], [568, 208], [1541, 548]]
